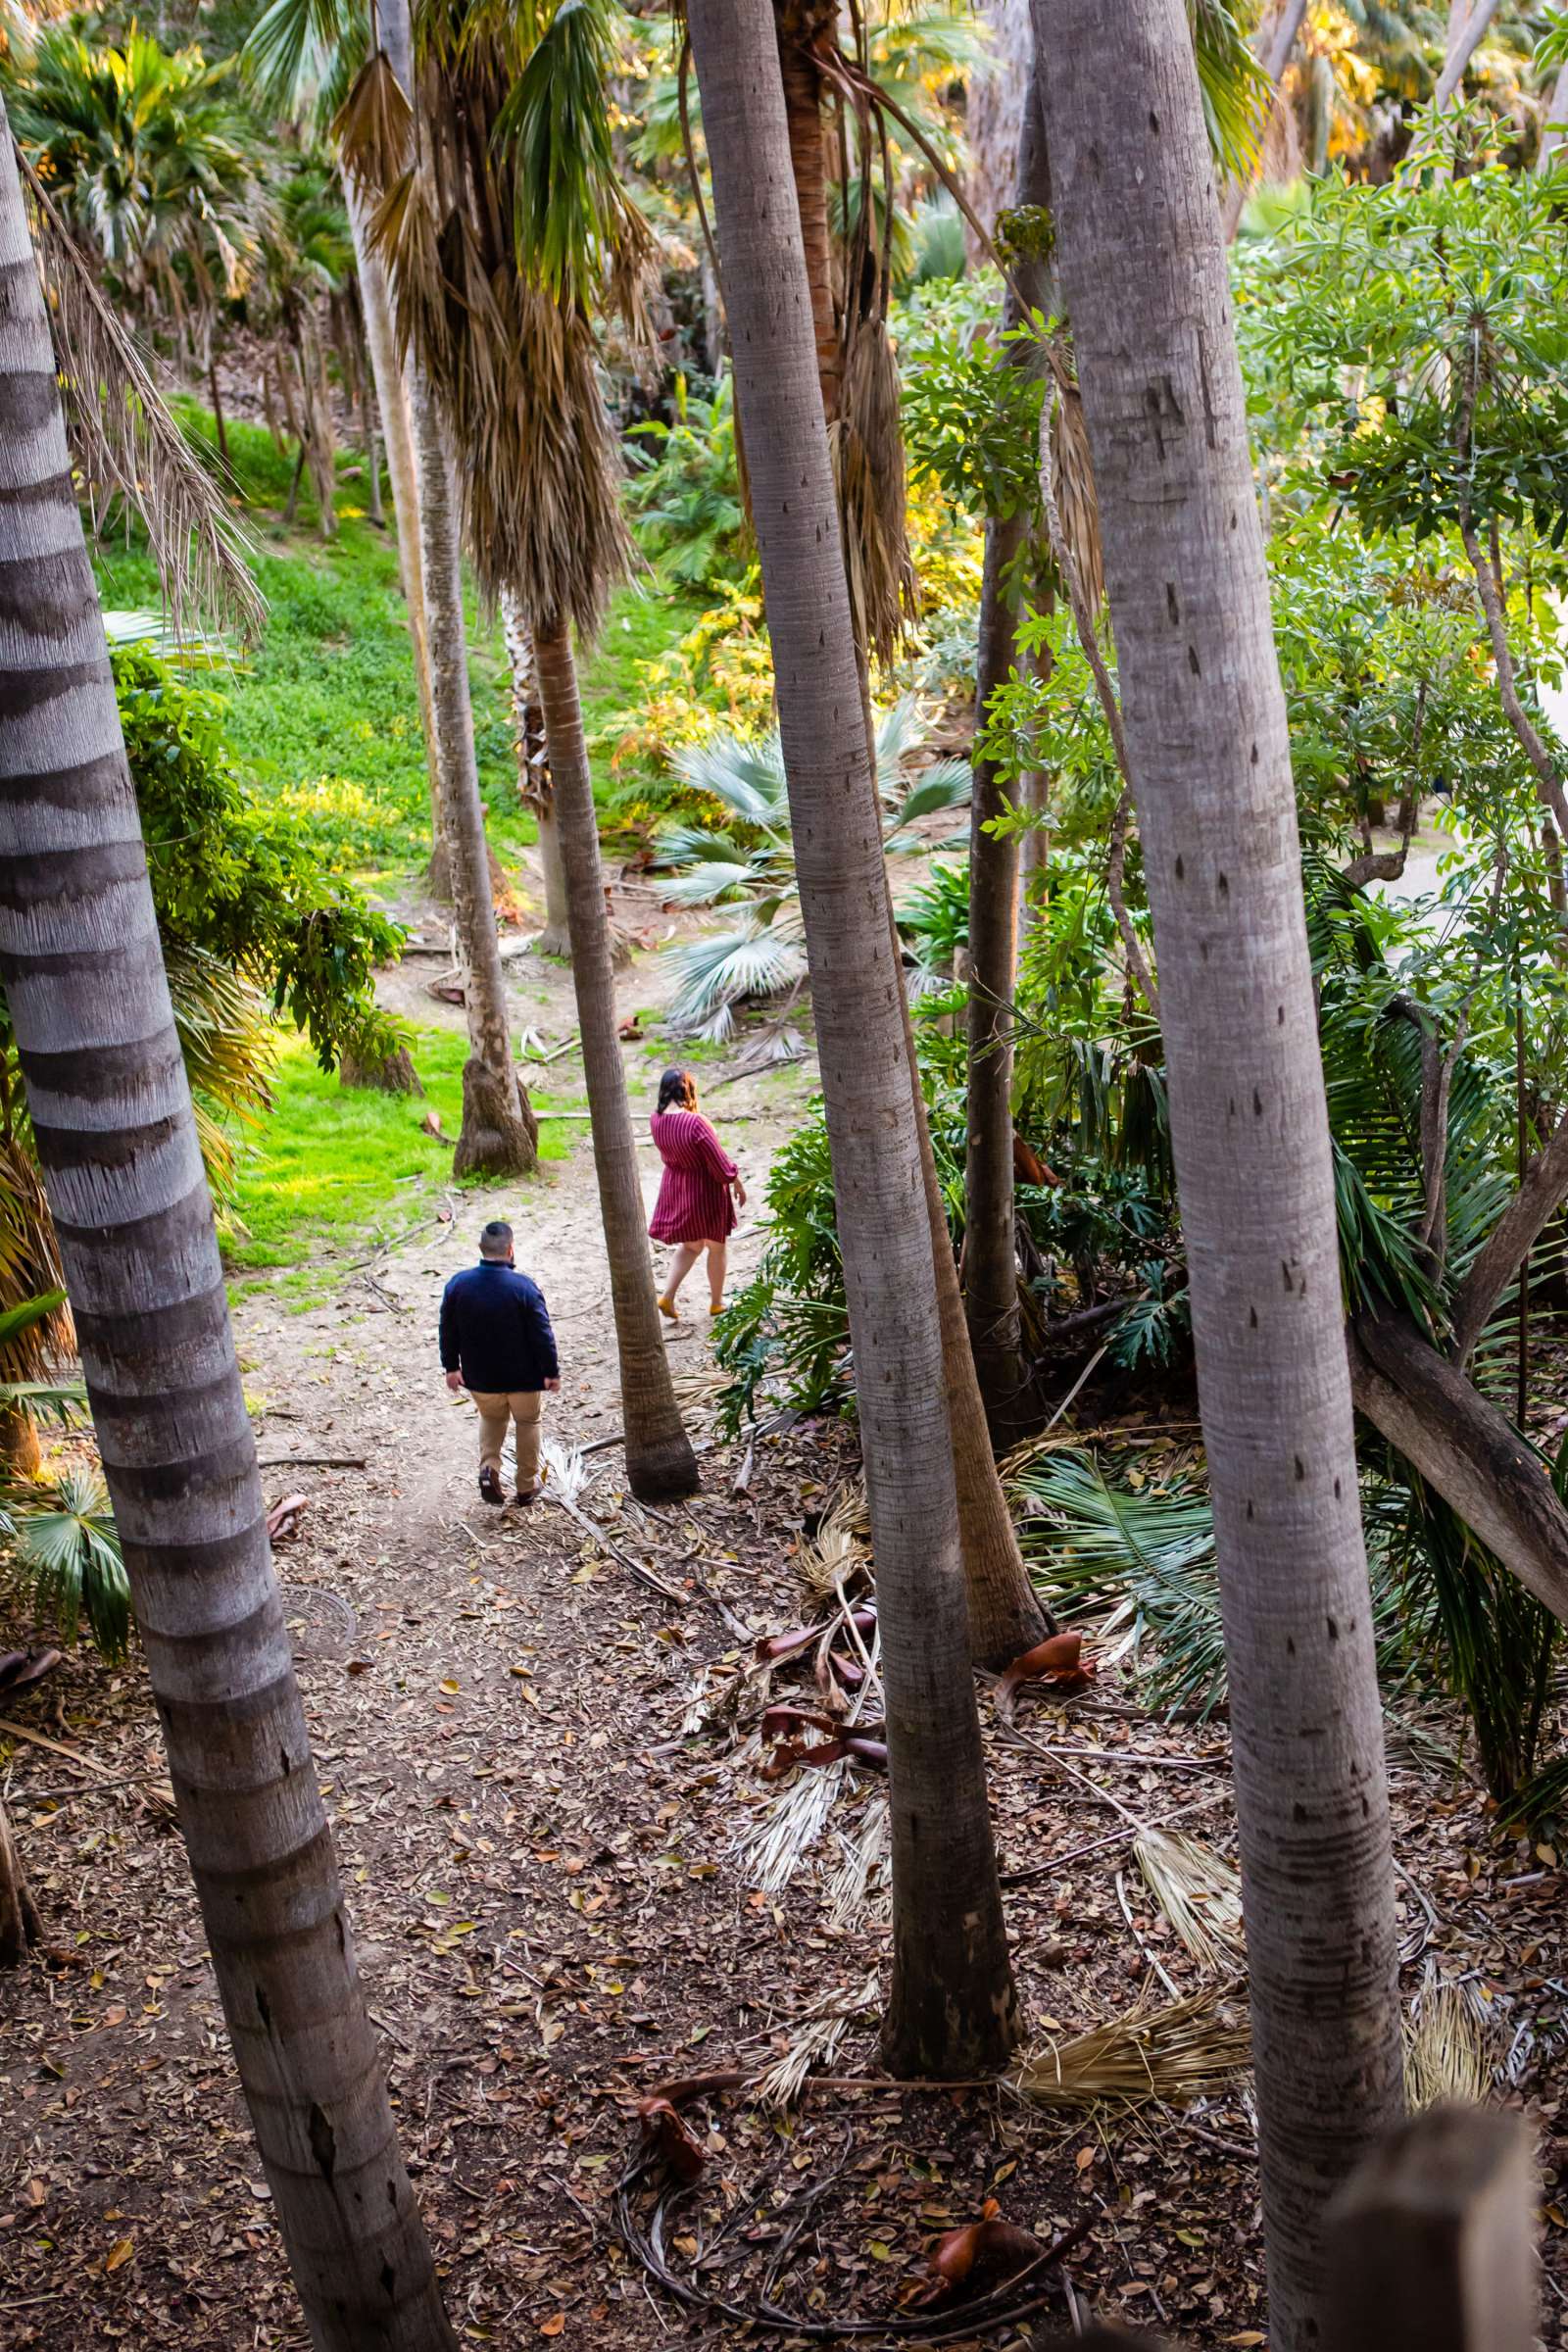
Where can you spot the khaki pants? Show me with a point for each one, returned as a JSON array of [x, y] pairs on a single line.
[[496, 1408]]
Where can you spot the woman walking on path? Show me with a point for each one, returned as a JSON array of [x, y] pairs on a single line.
[[695, 1209]]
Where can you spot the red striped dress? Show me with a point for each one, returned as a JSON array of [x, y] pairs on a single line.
[[694, 1202]]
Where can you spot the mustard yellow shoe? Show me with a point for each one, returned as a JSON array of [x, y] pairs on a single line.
[[668, 1309]]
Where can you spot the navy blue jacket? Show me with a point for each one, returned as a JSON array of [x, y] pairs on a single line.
[[494, 1329]]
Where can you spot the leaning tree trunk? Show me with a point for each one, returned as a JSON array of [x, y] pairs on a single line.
[[500, 1135], [659, 1462], [1140, 249], [534, 784], [990, 1249], [20, 1925], [952, 2007], [112, 1115]]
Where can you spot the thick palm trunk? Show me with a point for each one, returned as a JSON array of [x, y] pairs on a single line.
[[396, 429], [989, 1254], [659, 1462], [500, 1134], [1140, 249], [952, 2007], [797, 25], [111, 1110], [534, 781]]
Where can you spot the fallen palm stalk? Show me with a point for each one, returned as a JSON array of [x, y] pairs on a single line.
[[566, 1478], [1184, 2050]]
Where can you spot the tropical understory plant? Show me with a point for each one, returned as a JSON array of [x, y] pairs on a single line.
[[748, 862]]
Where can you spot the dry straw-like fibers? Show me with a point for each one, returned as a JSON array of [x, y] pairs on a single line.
[[1185, 2050], [1199, 1894]]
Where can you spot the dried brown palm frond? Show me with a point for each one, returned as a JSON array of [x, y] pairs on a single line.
[[1077, 502], [374, 128], [1199, 1894], [831, 1554], [1446, 2055], [864, 1874], [775, 1842], [814, 2040], [1185, 2050], [868, 471], [125, 443]]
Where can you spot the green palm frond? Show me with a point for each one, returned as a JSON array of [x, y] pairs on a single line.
[[748, 777], [65, 1542], [302, 56], [577, 232], [1234, 91], [715, 974]]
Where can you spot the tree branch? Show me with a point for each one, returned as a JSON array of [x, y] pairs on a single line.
[[1540, 1194], [1463, 50], [1464, 1448]]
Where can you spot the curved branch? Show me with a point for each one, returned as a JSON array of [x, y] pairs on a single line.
[[1541, 1195]]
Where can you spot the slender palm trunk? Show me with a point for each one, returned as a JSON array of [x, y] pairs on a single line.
[[500, 1135], [374, 505], [535, 786], [659, 1462], [797, 24], [1272, 45], [990, 1254], [951, 2006], [110, 1111], [1140, 248], [397, 429]]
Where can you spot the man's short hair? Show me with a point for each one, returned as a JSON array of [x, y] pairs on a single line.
[[495, 1239]]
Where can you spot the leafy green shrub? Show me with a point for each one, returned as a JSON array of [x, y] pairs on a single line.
[[686, 493], [64, 1550]]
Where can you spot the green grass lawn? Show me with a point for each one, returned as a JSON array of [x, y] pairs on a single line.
[[333, 1170], [325, 713]]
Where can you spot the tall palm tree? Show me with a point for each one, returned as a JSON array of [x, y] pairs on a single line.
[[110, 1112], [380, 131], [513, 224], [951, 2006], [1140, 249]]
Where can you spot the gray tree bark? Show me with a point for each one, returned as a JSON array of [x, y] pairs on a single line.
[[951, 2006], [990, 1251], [997, 105], [659, 1462], [1140, 251], [84, 974]]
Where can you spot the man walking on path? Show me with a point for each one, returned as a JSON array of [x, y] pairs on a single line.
[[496, 1341]]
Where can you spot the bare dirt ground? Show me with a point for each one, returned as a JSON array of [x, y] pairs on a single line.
[[541, 1773]]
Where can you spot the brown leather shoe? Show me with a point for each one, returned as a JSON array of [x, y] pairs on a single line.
[[490, 1489]]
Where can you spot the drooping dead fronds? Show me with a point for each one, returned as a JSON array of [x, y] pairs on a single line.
[[814, 2040], [1188, 2049], [1077, 505], [869, 473], [125, 443], [1199, 1894], [1445, 2050]]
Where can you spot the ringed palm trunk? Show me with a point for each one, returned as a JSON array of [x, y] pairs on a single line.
[[111, 1110], [1140, 249], [500, 1134], [534, 776], [1003, 1613], [397, 429], [951, 2006], [990, 1254], [659, 1462]]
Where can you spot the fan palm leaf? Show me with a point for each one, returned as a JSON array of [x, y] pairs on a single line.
[[65, 1545], [715, 974]]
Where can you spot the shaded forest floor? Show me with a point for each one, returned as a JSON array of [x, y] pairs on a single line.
[[542, 1775]]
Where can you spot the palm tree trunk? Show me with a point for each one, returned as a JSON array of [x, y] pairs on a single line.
[[20, 1924], [990, 1254], [375, 507], [797, 25], [659, 1462], [116, 1137], [534, 782], [500, 1134], [1140, 248], [951, 2006]]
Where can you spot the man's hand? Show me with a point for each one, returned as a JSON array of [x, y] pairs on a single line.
[[552, 1386], [455, 1383]]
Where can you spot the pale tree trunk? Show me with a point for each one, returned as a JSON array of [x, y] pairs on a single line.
[[500, 1135], [990, 1251], [375, 507], [994, 119], [1034, 860], [535, 786], [952, 2007], [112, 1115], [659, 1462], [1555, 127], [1142, 265], [1469, 21], [396, 429]]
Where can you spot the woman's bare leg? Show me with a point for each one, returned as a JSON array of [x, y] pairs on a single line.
[[717, 1264], [686, 1256]]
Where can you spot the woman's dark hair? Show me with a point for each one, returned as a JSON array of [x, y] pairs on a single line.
[[677, 1090]]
